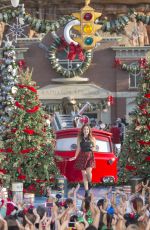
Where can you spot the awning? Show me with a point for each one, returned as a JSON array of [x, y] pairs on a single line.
[[82, 91]]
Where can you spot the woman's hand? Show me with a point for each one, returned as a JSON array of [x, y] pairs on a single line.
[[72, 159]]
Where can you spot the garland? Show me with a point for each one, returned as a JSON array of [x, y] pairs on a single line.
[[43, 26], [115, 25], [40, 26], [33, 110], [142, 63], [31, 88], [78, 71]]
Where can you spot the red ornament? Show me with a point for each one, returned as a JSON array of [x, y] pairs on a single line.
[[31, 88], [13, 130], [29, 150], [3, 171], [2, 151], [29, 131], [147, 158], [9, 150], [141, 142], [40, 181], [19, 105], [144, 111], [110, 100], [32, 187], [130, 168], [142, 106], [22, 177], [147, 95], [33, 110], [148, 126], [19, 170]]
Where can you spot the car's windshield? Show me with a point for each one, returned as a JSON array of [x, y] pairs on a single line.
[[70, 144]]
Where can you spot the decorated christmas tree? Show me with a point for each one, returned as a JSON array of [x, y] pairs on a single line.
[[135, 155], [29, 143], [9, 78]]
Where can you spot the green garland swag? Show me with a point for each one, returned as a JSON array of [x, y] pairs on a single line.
[[43, 26], [40, 26], [78, 71], [130, 69]]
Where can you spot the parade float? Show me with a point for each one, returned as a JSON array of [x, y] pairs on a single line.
[[67, 128]]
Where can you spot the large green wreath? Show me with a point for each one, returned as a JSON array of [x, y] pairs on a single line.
[[78, 71]]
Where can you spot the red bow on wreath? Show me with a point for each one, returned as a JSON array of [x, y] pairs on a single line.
[[75, 50]]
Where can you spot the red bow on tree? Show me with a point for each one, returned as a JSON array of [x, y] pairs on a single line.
[[75, 50]]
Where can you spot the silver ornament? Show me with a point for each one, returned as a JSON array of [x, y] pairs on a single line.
[[7, 88], [11, 83], [14, 90], [8, 78], [8, 61], [9, 98], [1, 98], [9, 109], [2, 128], [11, 53], [14, 72], [9, 68]]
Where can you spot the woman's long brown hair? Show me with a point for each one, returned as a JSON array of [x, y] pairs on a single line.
[[81, 134]]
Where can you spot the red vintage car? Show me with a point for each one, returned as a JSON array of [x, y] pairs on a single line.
[[106, 161]]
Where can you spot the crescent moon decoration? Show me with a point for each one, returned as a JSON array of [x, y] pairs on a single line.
[[67, 31], [65, 72]]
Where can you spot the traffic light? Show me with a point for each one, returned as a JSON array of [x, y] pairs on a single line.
[[87, 27]]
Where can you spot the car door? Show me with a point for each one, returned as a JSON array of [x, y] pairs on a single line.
[[65, 148], [106, 161]]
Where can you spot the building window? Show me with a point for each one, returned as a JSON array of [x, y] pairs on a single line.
[[134, 76]]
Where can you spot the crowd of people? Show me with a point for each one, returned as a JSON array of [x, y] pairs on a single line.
[[114, 210]]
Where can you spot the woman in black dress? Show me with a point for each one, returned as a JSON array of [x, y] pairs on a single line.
[[84, 155]]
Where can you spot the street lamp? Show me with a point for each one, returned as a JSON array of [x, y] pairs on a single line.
[[15, 3]]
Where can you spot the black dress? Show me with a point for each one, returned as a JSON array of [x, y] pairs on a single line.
[[85, 159]]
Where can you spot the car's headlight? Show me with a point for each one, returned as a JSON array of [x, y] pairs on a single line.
[[108, 179]]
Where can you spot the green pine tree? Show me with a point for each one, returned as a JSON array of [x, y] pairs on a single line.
[[29, 143], [135, 155]]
